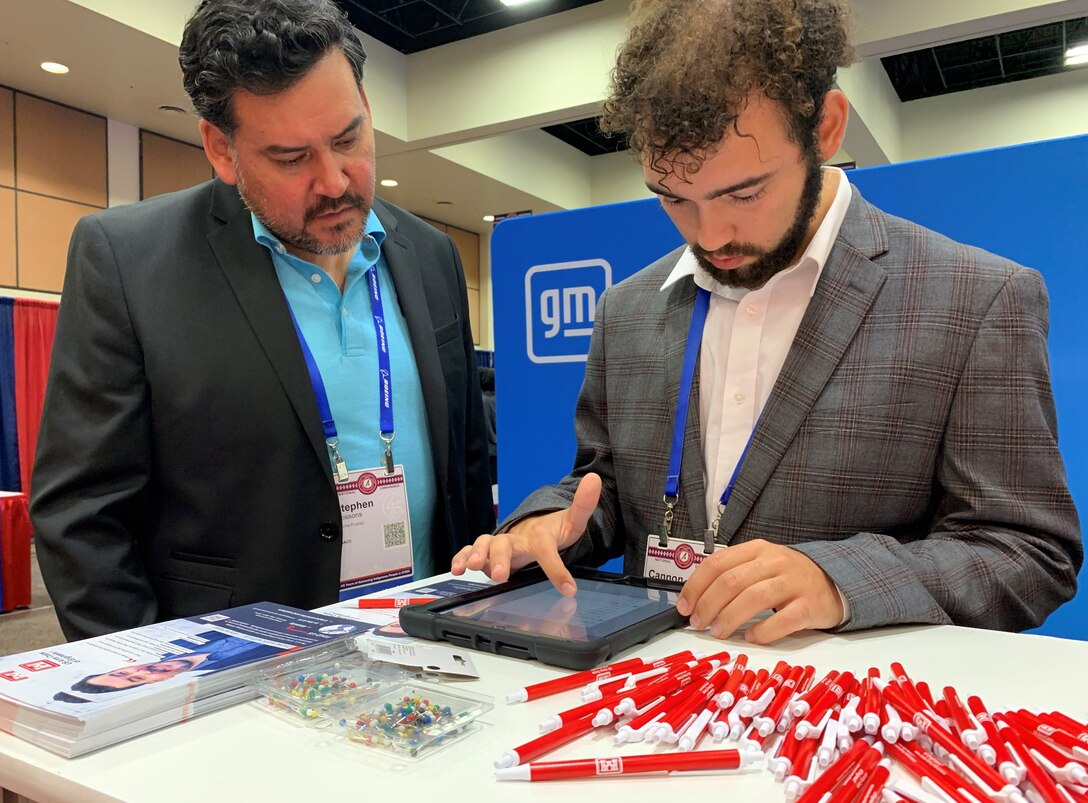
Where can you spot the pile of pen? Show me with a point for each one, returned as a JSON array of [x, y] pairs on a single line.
[[832, 740]]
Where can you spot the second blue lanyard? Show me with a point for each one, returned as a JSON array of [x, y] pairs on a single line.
[[385, 384], [687, 377]]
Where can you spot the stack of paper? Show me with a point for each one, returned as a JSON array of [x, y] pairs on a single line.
[[78, 697]]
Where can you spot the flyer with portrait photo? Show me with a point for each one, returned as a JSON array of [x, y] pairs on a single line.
[[79, 696]]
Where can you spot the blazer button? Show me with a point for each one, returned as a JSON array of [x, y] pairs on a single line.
[[328, 530]]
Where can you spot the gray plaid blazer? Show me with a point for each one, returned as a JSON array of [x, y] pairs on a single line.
[[909, 446]]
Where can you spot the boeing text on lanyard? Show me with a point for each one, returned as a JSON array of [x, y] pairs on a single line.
[[669, 558], [376, 526]]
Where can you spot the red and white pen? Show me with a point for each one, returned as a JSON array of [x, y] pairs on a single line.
[[392, 602], [573, 681], [961, 718], [546, 743], [1062, 767], [648, 671], [1077, 730], [702, 762], [993, 751], [801, 772], [871, 703], [563, 718], [807, 726], [800, 706], [1060, 737], [962, 759], [729, 694], [1039, 778], [855, 780], [830, 778], [776, 710], [760, 696], [932, 776]]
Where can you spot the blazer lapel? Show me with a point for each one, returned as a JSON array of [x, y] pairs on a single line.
[[678, 311], [400, 256], [249, 270], [847, 287]]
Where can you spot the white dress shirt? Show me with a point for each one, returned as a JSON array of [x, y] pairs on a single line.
[[745, 341]]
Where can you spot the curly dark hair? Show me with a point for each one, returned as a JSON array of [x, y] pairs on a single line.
[[261, 46], [687, 67]]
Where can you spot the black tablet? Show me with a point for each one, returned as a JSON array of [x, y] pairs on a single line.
[[528, 618]]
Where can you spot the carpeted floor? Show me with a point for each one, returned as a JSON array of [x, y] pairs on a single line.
[[34, 627]]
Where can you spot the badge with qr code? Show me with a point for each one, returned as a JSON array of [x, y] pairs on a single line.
[[376, 531]]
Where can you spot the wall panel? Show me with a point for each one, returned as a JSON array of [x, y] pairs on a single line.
[[45, 227], [7, 237], [468, 245], [60, 151], [7, 139], [167, 165]]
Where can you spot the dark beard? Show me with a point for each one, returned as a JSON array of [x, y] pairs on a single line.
[[301, 239], [781, 256]]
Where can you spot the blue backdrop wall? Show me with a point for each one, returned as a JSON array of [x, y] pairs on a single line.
[[1024, 202]]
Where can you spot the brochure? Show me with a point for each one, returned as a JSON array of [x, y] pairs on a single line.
[[81, 696]]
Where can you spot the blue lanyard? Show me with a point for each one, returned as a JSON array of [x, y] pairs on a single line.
[[672, 480], [385, 376], [385, 384]]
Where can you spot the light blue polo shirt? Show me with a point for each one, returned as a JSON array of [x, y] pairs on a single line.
[[339, 329]]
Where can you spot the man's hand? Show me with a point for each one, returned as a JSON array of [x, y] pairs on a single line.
[[738, 582], [537, 538]]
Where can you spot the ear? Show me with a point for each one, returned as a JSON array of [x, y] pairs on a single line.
[[217, 146], [832, 126]]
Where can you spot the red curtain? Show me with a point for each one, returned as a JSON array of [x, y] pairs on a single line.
[[33, 323], [14, 551]]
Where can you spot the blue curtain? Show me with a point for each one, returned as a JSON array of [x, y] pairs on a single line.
[[9, 435]]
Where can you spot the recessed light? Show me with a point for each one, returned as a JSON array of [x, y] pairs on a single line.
[[1073, 61], [54, 67], [389, 182], [489, 218], [444, 203], [515, 2], [168, 108], [1077, 50]]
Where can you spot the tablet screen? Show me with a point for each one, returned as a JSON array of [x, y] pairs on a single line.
[[597, 610]]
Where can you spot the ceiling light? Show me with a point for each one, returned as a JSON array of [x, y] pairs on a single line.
[[515, 2], [389, 182], [54, 67], [1077, 50], [168, 108], [1072, 61], [489, 218]]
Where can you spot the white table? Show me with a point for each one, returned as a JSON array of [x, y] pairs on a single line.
[[246, 754]]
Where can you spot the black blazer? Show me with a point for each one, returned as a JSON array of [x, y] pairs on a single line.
[[181, 466]]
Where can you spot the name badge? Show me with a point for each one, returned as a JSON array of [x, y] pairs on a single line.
[[377, 531], [674, 562]]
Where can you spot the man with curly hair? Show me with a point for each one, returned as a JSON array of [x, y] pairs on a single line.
[[870, 426]]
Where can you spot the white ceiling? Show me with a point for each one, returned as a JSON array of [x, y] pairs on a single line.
[[126, 70]]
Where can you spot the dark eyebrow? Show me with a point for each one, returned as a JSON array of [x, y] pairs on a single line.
[[280, 149], [657, 189]]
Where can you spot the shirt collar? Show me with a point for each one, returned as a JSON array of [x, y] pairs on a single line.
[[369, 247], [817, 252]]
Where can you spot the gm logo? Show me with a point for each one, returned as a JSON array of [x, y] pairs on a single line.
[[560, 306]]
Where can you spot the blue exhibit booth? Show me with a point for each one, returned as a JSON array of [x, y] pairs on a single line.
[[1024, 202]]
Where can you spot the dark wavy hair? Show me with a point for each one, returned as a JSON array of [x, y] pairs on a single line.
[[261, 46], [687, 67]]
